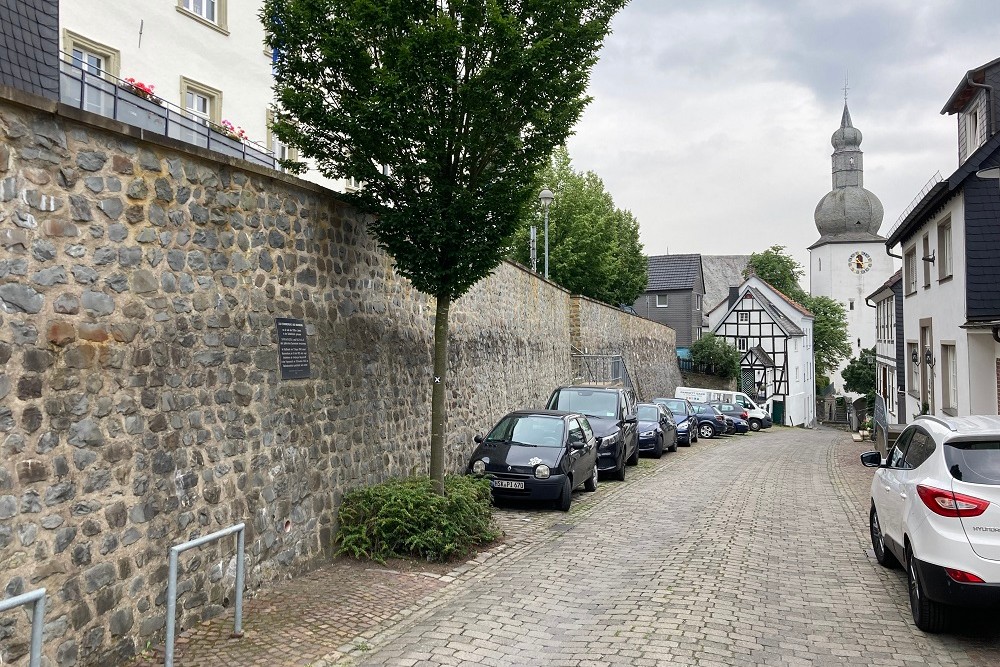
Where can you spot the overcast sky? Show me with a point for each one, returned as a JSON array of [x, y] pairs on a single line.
[[711, 121]]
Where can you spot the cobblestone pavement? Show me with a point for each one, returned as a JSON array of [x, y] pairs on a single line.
[[749, 550], [737, 551]]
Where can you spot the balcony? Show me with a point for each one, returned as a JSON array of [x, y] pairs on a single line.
[[106, 96]]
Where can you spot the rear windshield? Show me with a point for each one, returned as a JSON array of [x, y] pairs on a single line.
[[590, 403], [974, 462]]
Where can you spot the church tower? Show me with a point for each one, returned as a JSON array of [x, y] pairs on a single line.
[[849, 261]]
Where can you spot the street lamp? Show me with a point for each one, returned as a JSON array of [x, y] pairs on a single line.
[[546, 197]]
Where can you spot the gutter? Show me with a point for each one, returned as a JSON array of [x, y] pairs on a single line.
[[993, 122]]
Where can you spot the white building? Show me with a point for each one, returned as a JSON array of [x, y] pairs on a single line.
[[774, 337], [890, 364], [950, 243], [849, 259], [207, 57]]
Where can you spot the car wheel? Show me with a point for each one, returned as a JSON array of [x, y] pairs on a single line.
[[692, 435], [928, 615], [566, 497], [620, 470], [658, 450], [706, 431], [591, 484], [634, 459], [754, 424], [884, 557]]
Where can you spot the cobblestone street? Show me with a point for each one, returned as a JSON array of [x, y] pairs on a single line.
[[748, 550]]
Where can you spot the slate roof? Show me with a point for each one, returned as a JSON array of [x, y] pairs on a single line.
[[762, 356], [966, 91], [721, 273], [893, 279], [789, 327], [672, 272]]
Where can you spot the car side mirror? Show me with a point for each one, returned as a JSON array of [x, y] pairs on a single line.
[[478, 439], [631, 419], [577, 444], [871, 459]]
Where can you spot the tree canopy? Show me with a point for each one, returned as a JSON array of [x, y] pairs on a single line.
[[594, 247], [859, 375], [444, 110], [712, 350], [780, 270]]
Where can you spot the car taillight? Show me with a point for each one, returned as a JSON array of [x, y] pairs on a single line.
[[963, 577], [948, 503], [720, 418], [744, 416]]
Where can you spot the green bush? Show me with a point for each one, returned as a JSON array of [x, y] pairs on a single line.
[[405, 518]]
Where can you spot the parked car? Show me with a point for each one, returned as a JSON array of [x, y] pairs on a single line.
[[757, 415], [742, 426], [744, 413], [538, 455], [737, 413], [711, 422], [684, 416], [611, 413], [656, 426], [936, 510]]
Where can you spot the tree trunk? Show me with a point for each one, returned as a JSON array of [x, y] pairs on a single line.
[[438, 395]]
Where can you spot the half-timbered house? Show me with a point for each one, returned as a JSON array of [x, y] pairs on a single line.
[[774, 337]]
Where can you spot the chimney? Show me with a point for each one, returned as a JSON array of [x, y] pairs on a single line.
[[734, 295]]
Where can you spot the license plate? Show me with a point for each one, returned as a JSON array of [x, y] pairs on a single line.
[[507, 484]]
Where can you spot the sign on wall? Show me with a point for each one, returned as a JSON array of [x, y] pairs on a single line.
[[293, 348]]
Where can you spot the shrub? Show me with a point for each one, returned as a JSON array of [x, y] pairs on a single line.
[[405, 518]]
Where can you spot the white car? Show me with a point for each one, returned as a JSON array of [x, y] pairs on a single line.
[[936, 509]]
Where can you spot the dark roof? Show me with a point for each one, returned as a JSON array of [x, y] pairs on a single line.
[[672, 272], [965, 91], [762, 356], [893, 279], [721, 273], [941, 193]]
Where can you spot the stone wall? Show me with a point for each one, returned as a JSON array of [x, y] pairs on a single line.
[[648, 348], [140, 399], [706, 381]]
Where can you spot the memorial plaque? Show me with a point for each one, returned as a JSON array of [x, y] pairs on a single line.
[[293, 348]]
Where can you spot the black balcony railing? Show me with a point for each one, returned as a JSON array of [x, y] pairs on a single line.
[[108, 96]]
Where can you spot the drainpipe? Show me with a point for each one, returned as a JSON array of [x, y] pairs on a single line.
[[989, 98]]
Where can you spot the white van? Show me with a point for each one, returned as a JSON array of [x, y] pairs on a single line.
[[758, 416]]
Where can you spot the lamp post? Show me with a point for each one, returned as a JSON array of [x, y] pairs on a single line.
[[546, 197]]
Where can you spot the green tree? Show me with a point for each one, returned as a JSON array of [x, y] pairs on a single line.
[[445, 110], [830, 343], [859, 375], [594, 247], [780, 270], [712, 350]]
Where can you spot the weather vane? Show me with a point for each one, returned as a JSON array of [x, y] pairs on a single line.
[[845, 87]]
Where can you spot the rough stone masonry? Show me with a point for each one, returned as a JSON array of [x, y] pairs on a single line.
[[140, 399]]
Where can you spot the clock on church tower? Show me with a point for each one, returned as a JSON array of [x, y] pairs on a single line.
[[859, 262]]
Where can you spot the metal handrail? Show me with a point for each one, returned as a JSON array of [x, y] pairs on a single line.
[[934, 180], [173, 114], [175, 551], [37, 597]]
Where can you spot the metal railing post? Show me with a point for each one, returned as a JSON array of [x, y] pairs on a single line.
[[175, 551], [37, 597]]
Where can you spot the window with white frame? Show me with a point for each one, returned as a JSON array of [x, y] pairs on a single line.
[[944, 252], [697, 301], [741, 344], [94, 60], [910, 270], [281, 150], [973, 131], [949, 376], [925, 243], [743, 317], [210, 12], [661, 301], [201, 103], [913, 376], [796, 373]]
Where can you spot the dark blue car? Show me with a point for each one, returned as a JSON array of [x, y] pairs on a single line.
[[684, 417], [656, 429]]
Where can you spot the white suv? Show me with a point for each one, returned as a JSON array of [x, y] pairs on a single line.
[[936, 509]]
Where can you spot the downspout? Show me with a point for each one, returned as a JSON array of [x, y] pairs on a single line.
[[989, 98]]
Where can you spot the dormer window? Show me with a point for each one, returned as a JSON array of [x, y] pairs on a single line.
[[973, 131]]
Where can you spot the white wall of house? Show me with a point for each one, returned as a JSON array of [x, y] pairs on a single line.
[[886, 382], [228, 56], [932, 317]]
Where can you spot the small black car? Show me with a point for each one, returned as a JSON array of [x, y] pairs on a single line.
[[656, 426], [538, 455], [685, 418], [711, 422], [611, 412]]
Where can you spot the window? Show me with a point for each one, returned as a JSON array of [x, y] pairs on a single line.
[[920, 449], [278, 147], [944, 258], [949, 376], [895, 457], [820, 260], [697, 301], [910, 270], [925, 244], [353, 185], [796, 373], [973, 132], [210, 12], [795, 345], [851, 304], [95, 60], [913, 385], [743, 317], [202, 103], [741, 344], [661, 300]]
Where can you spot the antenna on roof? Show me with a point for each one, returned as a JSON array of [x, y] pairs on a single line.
[[846, 88]]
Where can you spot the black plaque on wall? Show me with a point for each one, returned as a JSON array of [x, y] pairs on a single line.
[[293, 348]]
